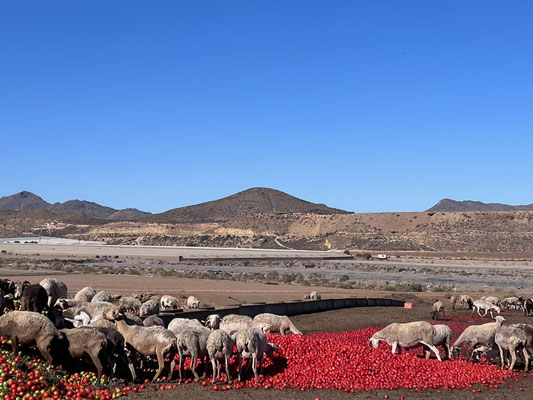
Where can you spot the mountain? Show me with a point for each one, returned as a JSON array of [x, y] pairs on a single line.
[[252, 201], [87, 207], [449, 205], [22, 201], [128, 214]]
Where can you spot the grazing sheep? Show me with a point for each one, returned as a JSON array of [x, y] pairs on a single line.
[[55, 314], [466, 301], [105, 323], [253, 343], [528, 330], [75, 343], [169, 303], [492, 300], [19, 288], [453, 301], [7, 286], [85, 295], [438, 308], [116, 347], [151, 307], [55, 289], [278, 323], [102, 295], [480, 305], [192, 342], [178, 324], [441, 337], [527, 305], [132, 319], [148, 341], [213, 321], [34, 298], [193, 302], [87, 313], [153, 320], [219, 346], [313, 296], [28, 327], [128, 304], [513, 302], [511, 339], [475, 335], [407, 335]]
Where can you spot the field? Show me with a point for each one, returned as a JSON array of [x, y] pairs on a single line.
[[227, 292]]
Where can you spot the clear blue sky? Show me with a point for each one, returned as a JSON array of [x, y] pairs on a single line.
[[362, 105]]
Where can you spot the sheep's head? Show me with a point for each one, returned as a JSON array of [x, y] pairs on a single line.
[[374, 341], [62, 303], [499, 319], [213, 321], [112, 314], [19, 288]]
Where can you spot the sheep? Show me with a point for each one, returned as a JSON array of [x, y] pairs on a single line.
[[528, 330], [133, 319], [252, 342], [313, 296], [102, 295], [193, 302], [151, 307], [236, 318], [67, 303], [478, 335], [213, 321], [116, 346], [34, 298], [406, 335], [278, 323], [441, 337], [511, 338], [219, 345], [527, 305], [233, 323], [438, 308], [178, 324], [19, 288], [467, 301], [148, 341], [85, 295], [7, 286], [29, 327], [485, 306], [105, 323], [55, 314], [492, 300], [82, 341], [153, 320], [453, 301], [168, 303], [55, 289], [192, 342], [89, 312], [128, 304], [509, 302]]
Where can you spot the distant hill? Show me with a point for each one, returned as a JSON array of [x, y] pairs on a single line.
[[449, 205], [22, 201], [252, 201], [128, 214], [87, 207]]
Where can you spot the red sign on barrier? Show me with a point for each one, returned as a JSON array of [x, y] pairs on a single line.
[[407, 305]]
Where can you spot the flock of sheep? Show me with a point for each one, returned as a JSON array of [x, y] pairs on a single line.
[[480, 338], [108, 331]]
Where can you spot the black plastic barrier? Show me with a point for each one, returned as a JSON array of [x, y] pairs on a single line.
[[286, 308]]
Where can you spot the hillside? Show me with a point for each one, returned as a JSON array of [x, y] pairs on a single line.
[[449, 205], [22, 201], [86, 207], [128, 214], [251, 201]]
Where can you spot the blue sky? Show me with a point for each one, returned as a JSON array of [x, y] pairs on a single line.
[[362, 105]]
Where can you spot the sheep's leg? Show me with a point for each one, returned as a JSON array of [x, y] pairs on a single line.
[[393, 349], [228, 377], [15, 345], [240, 366], [219, 368], [132, 368], [111, 364], [513, 358], [194, 358], [96, 361], [433, 349], [282, 331], [181, 367], [213, 363], [526, 359], [254, 367], [161, 362], [502, 356], [43, 348], [261, 363], [172, 366]]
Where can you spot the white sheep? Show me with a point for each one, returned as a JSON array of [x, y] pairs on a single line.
[[313, 296], [511, 339], [168, 303], [219, 346], [475, 335], [466, 301], [252, 343], [150, 307], [179, 324], [482, 305], [192, 343], [128, 304], [85, 295], [438, 308], [55, 289], [102, 295], [509, 302], [278, 323], [441, 337], [236, 318], [193, 302], [406, 335], [86, 313], [492, 300]]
